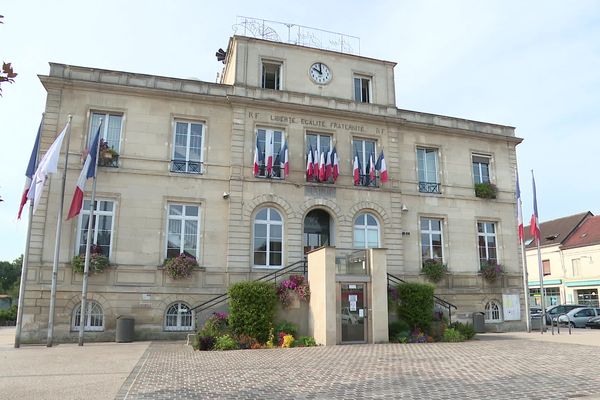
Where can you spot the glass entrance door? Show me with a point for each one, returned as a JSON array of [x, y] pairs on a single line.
[[353, 313], [316, 230]]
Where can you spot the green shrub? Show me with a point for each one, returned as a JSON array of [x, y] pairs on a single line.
[[9, 314], [401, 337], [466, 330], [396, 327], [415, 305], [434, 270], [215, 325], [252, 309], [287, 327], [486, 190], [452, 335], [204, 343], [437, 329], [305, 341], [225, 342]]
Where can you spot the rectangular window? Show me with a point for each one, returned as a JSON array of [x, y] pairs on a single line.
[[575, 265], [188, 143], [269, 144], [481, 168], [102, 226], [320, 144], [183, 223], [546, 267], [366, 152], [432, 245], [486, 233], [271, 75], [362, 89], [110, 131], [427, 160]]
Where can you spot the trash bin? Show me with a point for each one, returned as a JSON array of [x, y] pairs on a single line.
[[125, 329], [479, 322]]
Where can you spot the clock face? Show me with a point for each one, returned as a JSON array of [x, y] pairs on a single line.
[[320, 73]]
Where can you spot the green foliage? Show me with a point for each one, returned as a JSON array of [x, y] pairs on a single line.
[[10, 274], [180, 267], [287, 327], [491, 270], [8, 315], [252, 308], [466, 330], [396, 327], [225, 342], [98, 263], [437, 329], [305, 341], [415, 304], [434, 270], [452, 335], [215, 325], [486, 190]]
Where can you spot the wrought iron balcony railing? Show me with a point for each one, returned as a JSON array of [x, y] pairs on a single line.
[[429, 187], [186, 167], [365, 180], [111, 162]]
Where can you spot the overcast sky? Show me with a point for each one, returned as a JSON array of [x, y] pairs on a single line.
[[534, 65]]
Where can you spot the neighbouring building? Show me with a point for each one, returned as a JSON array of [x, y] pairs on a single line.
[[570, 255], [181, 179]]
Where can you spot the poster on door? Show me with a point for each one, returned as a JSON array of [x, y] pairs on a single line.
[[512, 307]]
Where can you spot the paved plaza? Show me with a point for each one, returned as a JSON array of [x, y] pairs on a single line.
[[496, 366]]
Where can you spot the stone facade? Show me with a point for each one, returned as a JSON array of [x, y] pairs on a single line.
[[229, 195]]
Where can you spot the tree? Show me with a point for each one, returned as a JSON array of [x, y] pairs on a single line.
[[10, 274], [7, 74]]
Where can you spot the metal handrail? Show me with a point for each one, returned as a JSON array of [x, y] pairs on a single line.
[[438, 300], [558, 323], [272, 276]]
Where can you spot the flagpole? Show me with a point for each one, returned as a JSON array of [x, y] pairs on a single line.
[[539, 257], [525, 286], [88, 246], [49, 338], [25, 263]]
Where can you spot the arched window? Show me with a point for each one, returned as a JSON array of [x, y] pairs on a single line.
[[493, 311], [179, 318], [268, 239], [366, 231], [94, 317]]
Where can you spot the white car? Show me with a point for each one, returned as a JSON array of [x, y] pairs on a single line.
[[578, 317]]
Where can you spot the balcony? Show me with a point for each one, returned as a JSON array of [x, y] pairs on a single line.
[[108, 160], [186, 167], [365, 180], [429, 187]]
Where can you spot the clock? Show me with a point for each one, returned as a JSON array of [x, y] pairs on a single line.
[[320, 73]]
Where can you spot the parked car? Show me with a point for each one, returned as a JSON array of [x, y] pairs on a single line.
[[535, 312], [553, 311], [578, 317], [593, 323]]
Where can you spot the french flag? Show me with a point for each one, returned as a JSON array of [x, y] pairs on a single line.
[[534, 229], [284, 160], [322, 167], [316, 159], [328, 164], [336, 164], [382, 168], [30, 169], [88, 171], [309, 163], [371, 168], [257, 157], [356, 170], [519, 210], [269, 152]]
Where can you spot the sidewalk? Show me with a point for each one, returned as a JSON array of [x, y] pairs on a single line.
[[65, 371], [586, 337]]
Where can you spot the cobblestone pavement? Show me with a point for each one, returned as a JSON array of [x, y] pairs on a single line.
[[496, 367]]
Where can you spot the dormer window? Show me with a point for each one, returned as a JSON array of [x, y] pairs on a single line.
[[271, 75], [362, 89]]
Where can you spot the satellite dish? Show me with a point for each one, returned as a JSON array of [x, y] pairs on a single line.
[[221, 55]]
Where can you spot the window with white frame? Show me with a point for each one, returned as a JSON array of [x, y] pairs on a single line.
[[269, 144], [432, 242], [188, 143], [111, 128], [179, 317], [271, 75], [493, 311], [366, 151], [488, 248], [575, 267], [362, 89], [320, 144], [183, 226], [94, 317], [481, 168], [366, 231], [268, 238], [102, 226], [427, 166]]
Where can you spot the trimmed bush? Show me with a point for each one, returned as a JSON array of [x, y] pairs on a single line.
[[415, 304], [252, 309], [466, 330], [398, 327], [225, 342], [452, 335]]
